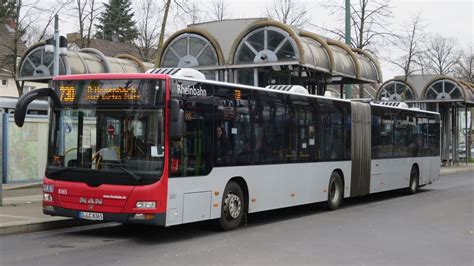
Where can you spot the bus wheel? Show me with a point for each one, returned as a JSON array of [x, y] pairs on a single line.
[[414, 180], [334, 191], [233, 206]]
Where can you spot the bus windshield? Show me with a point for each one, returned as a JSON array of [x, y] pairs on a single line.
[[102, 144]]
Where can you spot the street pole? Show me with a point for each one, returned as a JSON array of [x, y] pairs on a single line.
[[348, 90], [56, 46]]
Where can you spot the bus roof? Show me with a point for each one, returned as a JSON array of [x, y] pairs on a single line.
[[104, 76], [235, 85], [109, 76]]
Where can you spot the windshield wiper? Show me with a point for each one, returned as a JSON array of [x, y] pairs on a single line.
[[132, 174], [55, 171]]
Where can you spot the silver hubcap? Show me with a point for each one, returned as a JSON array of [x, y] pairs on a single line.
[[413, 182], [233, 206], [334, 191]]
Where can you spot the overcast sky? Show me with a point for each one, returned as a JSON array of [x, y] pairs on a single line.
[[448, 18]]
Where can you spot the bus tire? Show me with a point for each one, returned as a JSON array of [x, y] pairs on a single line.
[[232, 207], [414, 180], [335, 191]]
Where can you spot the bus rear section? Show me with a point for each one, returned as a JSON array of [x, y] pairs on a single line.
[[405, 148]]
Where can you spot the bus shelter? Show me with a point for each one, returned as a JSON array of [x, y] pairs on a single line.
[[263, 52], [451, 97], [37, 63]]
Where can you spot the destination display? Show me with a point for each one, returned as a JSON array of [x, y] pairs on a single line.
[[107, 92], [95, 93]]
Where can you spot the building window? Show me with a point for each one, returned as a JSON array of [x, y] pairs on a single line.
[[3, 82]]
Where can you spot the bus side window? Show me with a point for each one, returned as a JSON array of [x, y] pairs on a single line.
[[269, 136], [301, 135], [433, 135], [382, 133], [422, 135], [400, 130], [192, 155], [232, 126]]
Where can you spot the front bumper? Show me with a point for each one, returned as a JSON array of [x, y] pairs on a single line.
[[159, 219]]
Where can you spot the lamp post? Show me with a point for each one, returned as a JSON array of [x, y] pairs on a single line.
[[348, 87], [57, 45]]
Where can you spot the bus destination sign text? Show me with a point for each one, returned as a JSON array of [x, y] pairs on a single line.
[[112, 94]]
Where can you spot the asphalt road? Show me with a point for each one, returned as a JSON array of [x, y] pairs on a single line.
[[434, 226]]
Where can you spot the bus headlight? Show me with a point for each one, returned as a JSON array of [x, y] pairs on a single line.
[[47, 197], [146, 205]]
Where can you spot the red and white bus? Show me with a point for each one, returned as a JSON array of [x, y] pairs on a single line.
[[166, 150]]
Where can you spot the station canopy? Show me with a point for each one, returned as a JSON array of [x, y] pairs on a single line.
[[427, 88], [253, 43], [37, 63]]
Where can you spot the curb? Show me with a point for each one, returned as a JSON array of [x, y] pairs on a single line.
[[22, 186], [42, 226], [9, 204], [456, 171]]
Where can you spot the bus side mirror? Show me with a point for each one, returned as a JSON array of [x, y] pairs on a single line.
[[177, 121], [22, 104]]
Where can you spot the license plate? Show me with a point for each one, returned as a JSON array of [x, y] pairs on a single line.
[[95, 216]]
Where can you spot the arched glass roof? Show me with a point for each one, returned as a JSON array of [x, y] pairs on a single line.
[[37, 64], [394, 90], [262, 42], [189, 50], [444, 89], [317, 53], [266, 45], [426, 88], [344, 64]]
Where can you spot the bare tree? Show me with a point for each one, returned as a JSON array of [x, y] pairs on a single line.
[[40, 19], [162, 31], [30, 22], [48, 15], [409, 46], [19, 26], [181, 6], [440, 56], [464, 67], [148, 15], [87, 12], [218, 10], [193, 11], [289, 12], [369, 19]]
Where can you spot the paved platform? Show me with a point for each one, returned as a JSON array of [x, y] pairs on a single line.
[[22, 208]]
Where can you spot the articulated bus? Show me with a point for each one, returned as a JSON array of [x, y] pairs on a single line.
[[166, 150]]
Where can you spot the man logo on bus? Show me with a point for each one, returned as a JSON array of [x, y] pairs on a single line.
[[90, 201]]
